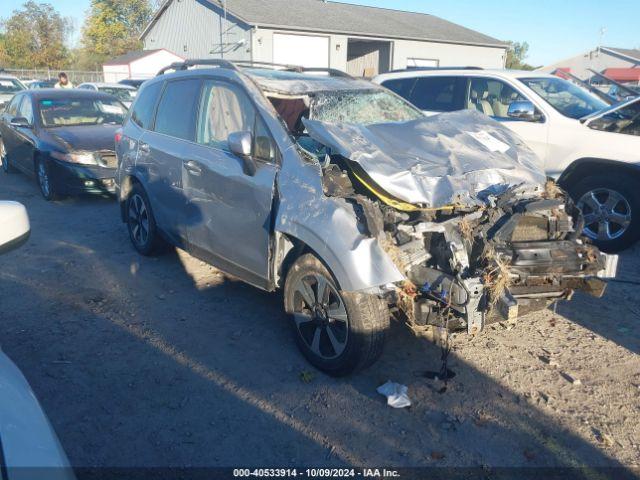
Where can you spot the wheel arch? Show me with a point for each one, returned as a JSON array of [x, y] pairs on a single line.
[[585, 167], [126, 184]]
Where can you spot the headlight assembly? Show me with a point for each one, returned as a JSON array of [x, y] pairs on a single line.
[[83, 158]]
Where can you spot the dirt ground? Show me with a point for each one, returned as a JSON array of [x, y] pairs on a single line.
[[167, 362]]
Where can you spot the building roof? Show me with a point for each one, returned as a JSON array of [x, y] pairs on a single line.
[[131, 57], [623, 74], [336, 17], [627, 52]]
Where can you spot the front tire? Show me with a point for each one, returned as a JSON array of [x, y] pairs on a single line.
[[611, 209], [141, 223], [44, 181], [337, 332], [6, 167]]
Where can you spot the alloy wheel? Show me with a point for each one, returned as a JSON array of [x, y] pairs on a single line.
[[607, 214], [43, 179], [139, 219], [320, 316]]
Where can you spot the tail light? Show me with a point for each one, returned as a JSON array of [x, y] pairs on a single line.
[[118, 136]]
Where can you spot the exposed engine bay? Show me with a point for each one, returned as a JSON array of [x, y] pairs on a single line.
[[472, 223]]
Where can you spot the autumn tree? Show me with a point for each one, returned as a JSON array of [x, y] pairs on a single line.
[[516, 54], [35, 36], [111, 28]]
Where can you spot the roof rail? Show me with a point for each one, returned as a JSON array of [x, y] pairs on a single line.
[[177, 66], [418, 69], [216, 62]]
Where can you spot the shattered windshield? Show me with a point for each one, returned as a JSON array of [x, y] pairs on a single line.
[[362, 108]]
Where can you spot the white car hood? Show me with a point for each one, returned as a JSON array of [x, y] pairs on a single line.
[[459, 158]]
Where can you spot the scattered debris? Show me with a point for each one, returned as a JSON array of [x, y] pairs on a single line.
[[437, 455], [306, 376], [570, 379], [396, 394]]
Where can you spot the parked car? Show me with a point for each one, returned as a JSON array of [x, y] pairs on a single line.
[[64, 138], [29, 444], [133, 82], [37, 84], [124, 93], [598, 164], [9, 86], [344, 195]]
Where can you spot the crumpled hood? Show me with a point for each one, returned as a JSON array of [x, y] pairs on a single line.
[[451, 158], [91, 138]]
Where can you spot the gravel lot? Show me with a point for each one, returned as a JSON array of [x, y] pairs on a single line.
[[167, 362]]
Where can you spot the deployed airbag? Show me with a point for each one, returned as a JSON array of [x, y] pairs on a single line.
[[451, 158]]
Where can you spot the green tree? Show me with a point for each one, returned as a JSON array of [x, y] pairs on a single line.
[[35, 36], [111, 28], [516, 54]]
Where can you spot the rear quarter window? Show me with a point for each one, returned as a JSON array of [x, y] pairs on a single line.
[[142, 112]]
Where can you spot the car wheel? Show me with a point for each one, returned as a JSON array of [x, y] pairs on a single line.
[[141, 223], [338, 332], [611, 210], [3, 158], [44, 181]]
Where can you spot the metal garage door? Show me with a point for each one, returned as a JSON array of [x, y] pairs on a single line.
[[303, 50]]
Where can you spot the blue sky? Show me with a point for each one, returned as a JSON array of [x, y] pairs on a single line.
[[554, 29]]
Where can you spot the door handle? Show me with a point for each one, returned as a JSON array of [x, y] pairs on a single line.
[[144, 147], [193, 168]]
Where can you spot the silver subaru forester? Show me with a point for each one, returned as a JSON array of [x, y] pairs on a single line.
[[345, 196]]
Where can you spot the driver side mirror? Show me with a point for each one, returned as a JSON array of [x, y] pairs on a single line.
[[241, 144], [14, 226], [523, 110], [20, 122]]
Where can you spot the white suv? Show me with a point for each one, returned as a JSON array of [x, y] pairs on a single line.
[[592, 147]]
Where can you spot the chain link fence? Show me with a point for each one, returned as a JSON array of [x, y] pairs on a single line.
[[76, 76]]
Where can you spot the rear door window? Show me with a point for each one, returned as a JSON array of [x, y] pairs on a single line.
[[439, 94], [178, 109], [144, 107]]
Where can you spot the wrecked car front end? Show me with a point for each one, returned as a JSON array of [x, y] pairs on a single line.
[[449, 218]]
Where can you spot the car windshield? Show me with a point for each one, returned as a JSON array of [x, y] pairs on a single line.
[[80, 111], [10, 85], [361, 107], [123, 94], [567, 98]]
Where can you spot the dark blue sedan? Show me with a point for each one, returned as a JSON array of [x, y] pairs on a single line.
[[63, 138]]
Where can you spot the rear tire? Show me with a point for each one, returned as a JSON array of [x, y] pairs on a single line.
[[141, 223], [337, 332], [611, 209]]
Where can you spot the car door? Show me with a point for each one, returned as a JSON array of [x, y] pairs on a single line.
[[7, 130], [230, 210], [24, 143], [161, 150], [493, 97]]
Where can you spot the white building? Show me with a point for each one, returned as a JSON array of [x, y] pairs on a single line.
[[315, 33], [138, 64]]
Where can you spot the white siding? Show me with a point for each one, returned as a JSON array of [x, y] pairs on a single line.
[[447, 54], [115, 73], [149, 66]]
